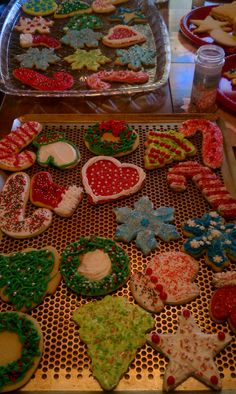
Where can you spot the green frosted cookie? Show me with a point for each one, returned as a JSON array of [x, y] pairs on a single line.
[[79, 22], [69, 8]]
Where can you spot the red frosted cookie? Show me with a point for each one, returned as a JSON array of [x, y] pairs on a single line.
[[107, 179], [223, 302], [121, 36], [45, 193], [96, 80], [167, 280], [61, 80], [11, 157], [212, 140], [28, 40]]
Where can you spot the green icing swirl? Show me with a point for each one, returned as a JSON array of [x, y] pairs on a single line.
[[93, 137], [79, 283], [29, 338], [24, 277]]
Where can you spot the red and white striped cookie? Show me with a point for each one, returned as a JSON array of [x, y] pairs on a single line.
[[168, 279], [11, 159], [107, 179], [13, 200], [96, 80], [212, 140]]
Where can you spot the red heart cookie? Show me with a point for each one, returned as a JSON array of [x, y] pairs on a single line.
[[122, 36], [106, 179], [46, 193]]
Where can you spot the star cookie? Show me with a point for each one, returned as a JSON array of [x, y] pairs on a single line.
[[91, 60], [144, 223], [36, 25], [38, 58], [136, 57], [211, 236], [190, 352], [208, 24], [128, 16], [79, 39]]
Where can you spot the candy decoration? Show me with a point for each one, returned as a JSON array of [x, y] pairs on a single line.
[[190, 353], [212, 140], [13, 200], [164, 147], [96, 81], [28, 40], [212, 237], [107, 179], [11, 159], [60, 199], [122, 36], [144, 223], [167, 280], [60, 80], [212, 188]]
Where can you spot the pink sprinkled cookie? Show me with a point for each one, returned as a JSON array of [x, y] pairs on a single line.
[[36, 25], [101, 79], [168, 279], [121, 36]]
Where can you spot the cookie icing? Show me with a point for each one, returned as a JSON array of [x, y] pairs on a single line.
[[39, 7], [97, 80], [38, 58], [78, 22], [136, 57], [122, 36], [60, 80], [72, 7], [80, 39]]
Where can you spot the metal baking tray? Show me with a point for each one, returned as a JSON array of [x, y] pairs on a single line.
[[157, 39], [65, 365]]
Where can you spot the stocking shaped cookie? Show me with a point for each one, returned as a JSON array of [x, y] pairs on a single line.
[[13, 200], [60, 199], [55, 150], [167, 280], [11, 157]]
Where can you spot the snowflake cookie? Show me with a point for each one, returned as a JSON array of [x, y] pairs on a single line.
[[144, 223], [135, 57], [210, 235], [78, 39], [89, 59], [38, 58], [190, 352]]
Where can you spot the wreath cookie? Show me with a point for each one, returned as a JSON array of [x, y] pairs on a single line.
[[111, 138], [28, 276], [94, 266], [21, 348]]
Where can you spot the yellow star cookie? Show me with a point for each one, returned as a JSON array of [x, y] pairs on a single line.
[[90, 59], [208, 24]]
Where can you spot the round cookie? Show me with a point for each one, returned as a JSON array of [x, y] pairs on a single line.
[[21, 347], [94, 266], [39, 7], [111, 138]]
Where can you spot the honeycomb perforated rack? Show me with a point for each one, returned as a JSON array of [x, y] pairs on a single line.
[[65, 364]]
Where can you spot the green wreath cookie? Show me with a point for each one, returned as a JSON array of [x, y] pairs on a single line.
[[94, 266], [111, 138], [21, 346]]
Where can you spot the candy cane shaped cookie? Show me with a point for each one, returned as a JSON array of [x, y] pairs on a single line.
[[212, 140], [96, 80], [208, 182], [11, 159], [13, 200]]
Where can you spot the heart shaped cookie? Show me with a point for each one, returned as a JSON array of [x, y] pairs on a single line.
[[167, 280], [107, 179], [122, 36], [60, 199]]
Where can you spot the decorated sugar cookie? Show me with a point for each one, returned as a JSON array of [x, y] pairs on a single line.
[[212, 237], [111, 138], [60, 199], [212, 140], [190, 352], [36, 25], [69, 8], [38, 58], [136, 57], [128, 16], [12, 155], [120, 36], [91, 60], [144, 223], [208, 24], [223, 301], [101, 80], [60, 80], [13, 200], [55, 150], [21, 348], [164, 147], [107, 179], [94, 266], [168, 279], [26, 288], [79, 22], [103, 6], [113, 330], [39, 7], [28, 40], [80, 39]]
